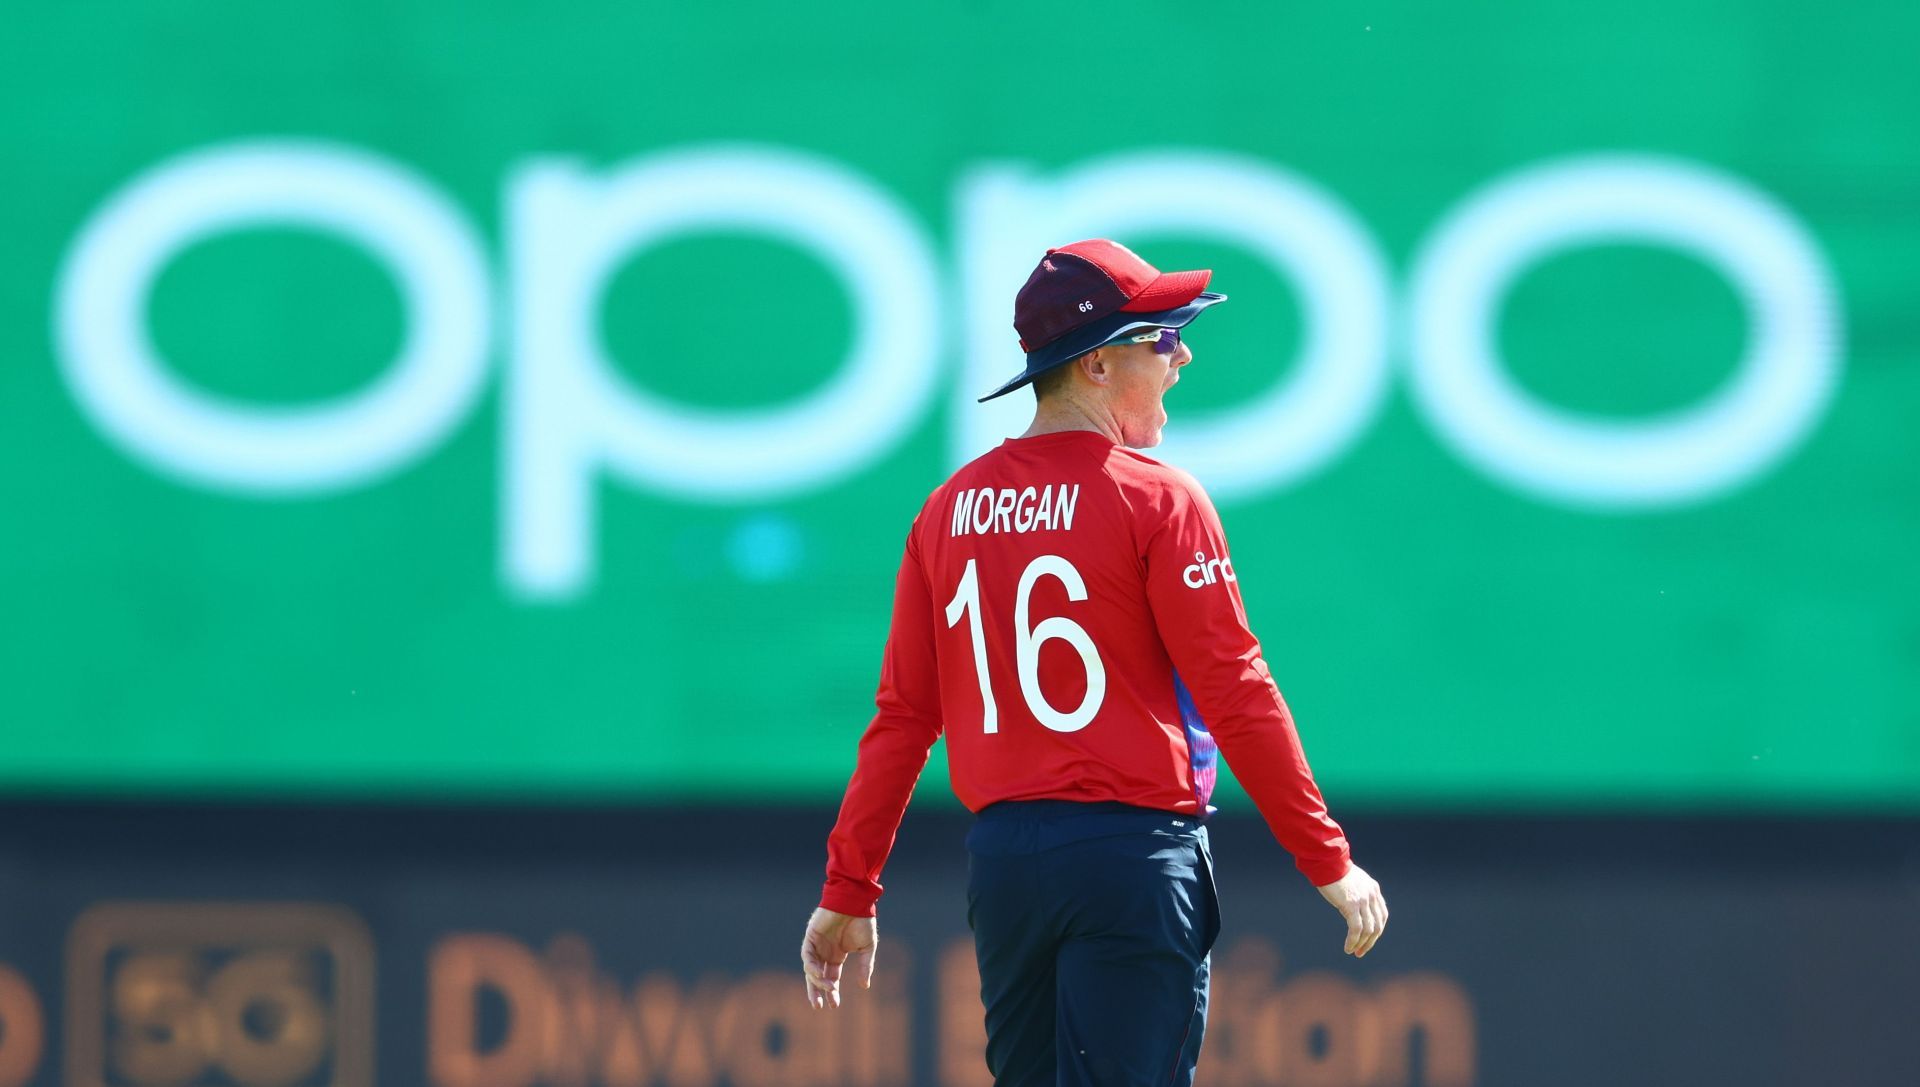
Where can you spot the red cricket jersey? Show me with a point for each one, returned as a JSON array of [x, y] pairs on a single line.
[[1068, 614]]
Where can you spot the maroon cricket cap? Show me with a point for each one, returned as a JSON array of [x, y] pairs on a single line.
[[1087, 281], [1083, 294]]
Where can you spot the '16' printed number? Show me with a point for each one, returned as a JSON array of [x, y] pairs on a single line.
[[1027, 642]]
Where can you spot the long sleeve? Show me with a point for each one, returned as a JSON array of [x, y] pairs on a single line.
[[893, 751], [1193, 591]]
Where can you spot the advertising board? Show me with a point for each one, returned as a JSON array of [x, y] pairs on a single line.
[[451, 401]]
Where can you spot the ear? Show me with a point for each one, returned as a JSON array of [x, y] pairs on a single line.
[[1097, 364]]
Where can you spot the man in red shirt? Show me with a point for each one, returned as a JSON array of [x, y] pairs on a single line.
[[1068, 615]]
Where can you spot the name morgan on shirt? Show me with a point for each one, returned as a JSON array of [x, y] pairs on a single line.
[[981, 510]]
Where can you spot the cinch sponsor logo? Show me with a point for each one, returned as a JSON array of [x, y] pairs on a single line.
[[1206, 571], [570, 420]]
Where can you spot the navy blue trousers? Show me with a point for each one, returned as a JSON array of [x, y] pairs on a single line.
[[1092, 924]]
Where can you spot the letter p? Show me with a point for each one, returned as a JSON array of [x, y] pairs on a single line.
[[569, 417]]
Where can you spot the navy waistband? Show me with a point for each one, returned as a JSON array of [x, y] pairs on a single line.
[[1053, 809], [1035, 826]]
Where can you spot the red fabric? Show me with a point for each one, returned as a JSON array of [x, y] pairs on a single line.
[[1148, 547], [1147, 289], [1075, 285], [1171, 291], [1126, 268]]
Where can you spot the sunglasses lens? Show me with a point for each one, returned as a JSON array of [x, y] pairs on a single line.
[[1168, 342]]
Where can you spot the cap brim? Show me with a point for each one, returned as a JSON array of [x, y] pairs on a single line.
[[1084, 339]]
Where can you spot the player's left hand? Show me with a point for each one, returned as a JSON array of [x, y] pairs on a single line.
[[835, 944], [1359, 900]]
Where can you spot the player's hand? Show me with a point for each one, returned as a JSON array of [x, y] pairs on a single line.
[[1359, 900], [835, 944]]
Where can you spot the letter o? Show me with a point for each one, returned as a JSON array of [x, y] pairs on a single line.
[[22, 1029], [1337, 1009], [117, 377], [299, 1042], [1476, 254], [1292, 428], [983, 502]]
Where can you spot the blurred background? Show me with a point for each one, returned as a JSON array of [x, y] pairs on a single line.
[[454, 459]]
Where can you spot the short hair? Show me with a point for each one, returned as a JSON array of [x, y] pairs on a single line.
[[1050, 381]]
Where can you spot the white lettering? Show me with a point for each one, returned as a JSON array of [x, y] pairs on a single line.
[[570, 418], [1206, 571], [1029, 509], [1023, 513], [1480, 249], [1065, 505], [1027, 641], [393, 215], [983, 510], [959, 527], [1003, 510]]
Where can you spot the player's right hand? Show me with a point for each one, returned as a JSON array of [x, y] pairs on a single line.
[[832, 940], [1357, 896]]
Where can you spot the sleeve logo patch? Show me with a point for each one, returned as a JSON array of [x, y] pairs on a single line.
[[1206, 571]]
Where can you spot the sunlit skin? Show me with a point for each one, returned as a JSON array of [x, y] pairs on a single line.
[[1117, 390]]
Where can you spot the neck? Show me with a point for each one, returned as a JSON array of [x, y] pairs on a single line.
[[1068, 412]]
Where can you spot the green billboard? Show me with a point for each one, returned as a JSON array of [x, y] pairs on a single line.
[[481, 400]]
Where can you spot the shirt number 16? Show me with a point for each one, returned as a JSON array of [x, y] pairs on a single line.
[[1027, 641]]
